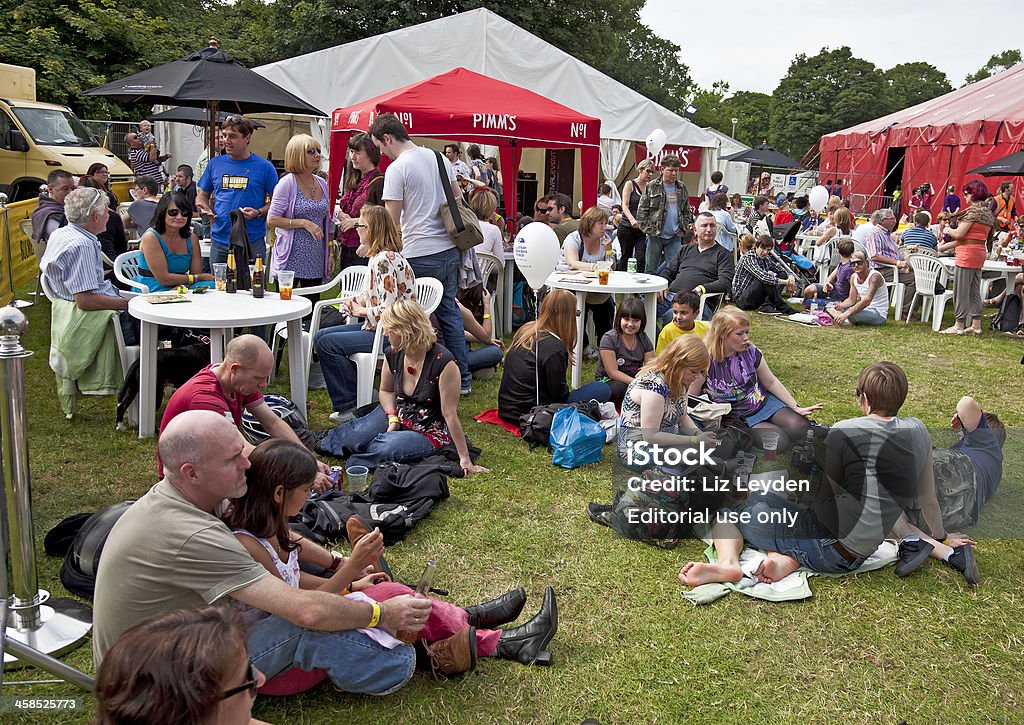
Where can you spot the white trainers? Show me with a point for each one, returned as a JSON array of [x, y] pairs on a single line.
[[342, 416]]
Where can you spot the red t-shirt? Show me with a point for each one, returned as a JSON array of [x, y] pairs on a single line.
[[203, 392]]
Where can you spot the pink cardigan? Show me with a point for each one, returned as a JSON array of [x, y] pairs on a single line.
[[283, 204]]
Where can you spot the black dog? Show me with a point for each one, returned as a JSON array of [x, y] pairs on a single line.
[[173, 365]]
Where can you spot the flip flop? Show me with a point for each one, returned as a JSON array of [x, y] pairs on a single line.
[[952, 331]]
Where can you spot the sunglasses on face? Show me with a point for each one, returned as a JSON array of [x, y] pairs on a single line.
[[249, 684], [313, 152], [545, 209], [359, 225], [178, 212]]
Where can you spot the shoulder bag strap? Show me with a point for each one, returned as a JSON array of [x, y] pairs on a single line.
[[446, 184]]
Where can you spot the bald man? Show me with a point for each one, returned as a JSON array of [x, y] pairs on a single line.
[[171, 551], [233, 386]]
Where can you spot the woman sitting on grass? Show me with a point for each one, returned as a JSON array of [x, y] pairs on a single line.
[[876, 467], [624, 349], [534, 372], [739, 375], [419, 399], [278, 485]]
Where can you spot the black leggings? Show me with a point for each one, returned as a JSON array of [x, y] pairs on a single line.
[[633, 243], [789, 424]]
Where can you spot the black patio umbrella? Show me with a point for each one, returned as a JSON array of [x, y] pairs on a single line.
[[195, 116], [1012, 165], [764, 156], [210, 79]]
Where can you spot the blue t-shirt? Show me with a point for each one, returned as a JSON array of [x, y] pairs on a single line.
[[235, 184], [671, 212], [920, 236], [981, 446]]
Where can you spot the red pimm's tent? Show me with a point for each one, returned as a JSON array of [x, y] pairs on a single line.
[[937, 142], [461, 105]]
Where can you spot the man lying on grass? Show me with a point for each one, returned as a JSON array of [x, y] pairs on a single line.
[[876, 467]]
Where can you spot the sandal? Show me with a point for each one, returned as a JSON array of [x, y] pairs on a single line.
[[952, 331], [1017, 334]]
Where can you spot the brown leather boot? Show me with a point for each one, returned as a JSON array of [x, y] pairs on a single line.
[[455, 655]]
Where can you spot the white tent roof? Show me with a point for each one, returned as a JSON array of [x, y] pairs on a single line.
[[486, 43]]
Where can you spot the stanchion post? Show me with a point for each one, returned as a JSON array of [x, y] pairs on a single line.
[[32, 630]]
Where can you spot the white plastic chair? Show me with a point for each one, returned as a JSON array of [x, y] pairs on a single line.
[[37, 248], [928, 271], [704, 300], [126, 269], [429, 292], [128, 354], [489, 265], [896, 288], [280, 337]]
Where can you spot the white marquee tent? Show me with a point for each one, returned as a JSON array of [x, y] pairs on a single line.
[[486, 43]]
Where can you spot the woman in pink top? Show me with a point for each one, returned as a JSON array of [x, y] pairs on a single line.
[[968, 234]]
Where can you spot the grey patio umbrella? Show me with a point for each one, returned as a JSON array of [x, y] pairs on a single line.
[[765, 156], [1012, 165]]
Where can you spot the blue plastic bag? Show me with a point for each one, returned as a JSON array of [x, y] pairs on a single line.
[[576, 439]]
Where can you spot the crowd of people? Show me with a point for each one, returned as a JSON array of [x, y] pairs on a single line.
[[297, 605]]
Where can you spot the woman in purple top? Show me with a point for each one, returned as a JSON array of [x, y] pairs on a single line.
[[739, 375], [363, 184], [299, 212], [951, 204]]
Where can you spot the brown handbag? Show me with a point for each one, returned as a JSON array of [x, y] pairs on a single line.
[[459, 219]]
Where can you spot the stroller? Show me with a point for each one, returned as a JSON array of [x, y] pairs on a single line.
[[802, 268]]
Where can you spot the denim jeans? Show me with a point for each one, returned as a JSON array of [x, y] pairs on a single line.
[[353, 661], [805, 540], [367, 442], [867, 317], [658, 245], [485, 356], [444, 267], [333, 346], [596, 390]]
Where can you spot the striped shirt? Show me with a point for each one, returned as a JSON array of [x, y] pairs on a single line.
[[880, 242], [921, 236], [72, 264], [144, 167]]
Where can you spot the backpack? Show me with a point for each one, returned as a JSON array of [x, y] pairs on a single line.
[[1007, 319], [82, 556], [535, 426], [483, 172], [322, 518], [524, 308], [955, 490]]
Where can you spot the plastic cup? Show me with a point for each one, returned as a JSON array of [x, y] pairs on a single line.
[[603, 270], [357, 476], [220, 276], [285, 280], [770, 444]]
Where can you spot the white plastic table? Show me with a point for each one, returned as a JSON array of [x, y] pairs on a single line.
[[218, 312], [618, 283], [992, 267]]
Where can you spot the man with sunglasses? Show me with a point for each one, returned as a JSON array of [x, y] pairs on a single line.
[[543, 208], [237, 179]]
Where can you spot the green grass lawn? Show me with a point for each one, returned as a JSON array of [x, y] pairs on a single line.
[[870, 648]]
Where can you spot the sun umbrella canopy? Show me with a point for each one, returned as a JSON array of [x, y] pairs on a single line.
[[1012, 165], [765, 157], [209, 75], [196, 116]]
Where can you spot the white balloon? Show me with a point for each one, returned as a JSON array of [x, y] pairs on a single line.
[[536, 253], [656, 141], [818, 198]]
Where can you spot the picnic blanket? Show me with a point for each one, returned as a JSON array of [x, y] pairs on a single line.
[[791, 588]]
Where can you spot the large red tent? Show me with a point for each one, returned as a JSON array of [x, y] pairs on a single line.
[[937, 141], [461, 105]]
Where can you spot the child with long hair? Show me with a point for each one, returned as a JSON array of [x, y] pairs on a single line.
[[534, 372], [624, 349], [278, 482]]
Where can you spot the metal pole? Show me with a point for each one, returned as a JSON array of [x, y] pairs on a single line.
[[32, 631]]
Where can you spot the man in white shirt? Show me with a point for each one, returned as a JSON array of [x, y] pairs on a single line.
[[413, 195]]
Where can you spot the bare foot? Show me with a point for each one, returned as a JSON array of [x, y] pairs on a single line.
[[694, 573], [775, 567]]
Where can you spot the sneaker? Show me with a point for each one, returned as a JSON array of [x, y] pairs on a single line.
[[314, 438], [484, 374], [466, 390], [599, 513], [455, 655], [342, 416], [912, 555], [962, 560]]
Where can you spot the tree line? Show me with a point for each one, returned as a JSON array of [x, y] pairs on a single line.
[[78, 44]]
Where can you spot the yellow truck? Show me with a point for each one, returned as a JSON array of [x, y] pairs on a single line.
[[36, 138]]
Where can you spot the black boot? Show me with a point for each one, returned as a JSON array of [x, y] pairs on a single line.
[[526, 643], [498, 611]]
